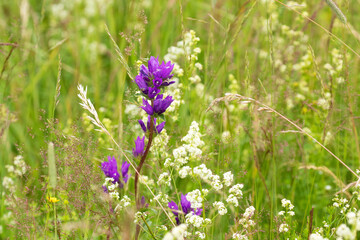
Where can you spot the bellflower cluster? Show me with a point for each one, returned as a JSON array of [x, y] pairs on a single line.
[[186, 207], [151, 80], [110, 170]]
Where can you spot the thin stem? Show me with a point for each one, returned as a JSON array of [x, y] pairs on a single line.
[[138, 169], [152, 234], [142, 161], [55, 233]]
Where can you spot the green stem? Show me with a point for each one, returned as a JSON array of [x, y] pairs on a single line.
[[148, 227]]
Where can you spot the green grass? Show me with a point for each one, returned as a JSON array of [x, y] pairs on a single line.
[[245, 39]]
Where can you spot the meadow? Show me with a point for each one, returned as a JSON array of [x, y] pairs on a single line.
[[178, 119]]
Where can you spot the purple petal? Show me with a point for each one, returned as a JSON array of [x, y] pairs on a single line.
[[147, 107], [185, 204], [174, 206], [142, 125], [124, 171], [160, 127]]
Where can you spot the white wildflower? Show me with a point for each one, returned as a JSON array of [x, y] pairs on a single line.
[[228, 178], [184, 171], [220, 207], [283, 227], [232, 199], [164, 178], [344, 232], [215, 182], [195, 198], [236, 190], [124, 202], [194, 219]]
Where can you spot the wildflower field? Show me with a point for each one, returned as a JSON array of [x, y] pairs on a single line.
[[179, 119]]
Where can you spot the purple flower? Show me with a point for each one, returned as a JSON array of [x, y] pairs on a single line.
[[160, 105], [150, 79], [159, 127], [139, 146], [124, 171], [110, 169], [186, 208], [147, 107]]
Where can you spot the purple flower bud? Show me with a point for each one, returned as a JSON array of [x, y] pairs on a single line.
[[160, 127], [147, 107], [141, 83], [139, 146], [124, 171], [142, 125]]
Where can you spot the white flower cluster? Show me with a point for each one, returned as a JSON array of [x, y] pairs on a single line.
[[8, 184], [189, 150], [216, 182], [239, 236], [341, 203], [184, 171], [177, 233], [246, 220], [336, 66], [235, 194], [344, 232], [232, 199], [236, 190], [161, 197], [226, 135], [317, 236], [228, 178], [159, 144], [195, 198], [203, 172], [324, 102], [124, 202], [186, 47], [138, 216], [222, 210], [288, 207], [16, 170], [112, 188], [200, 235], [20, 166], [193, 219], [164, 178], [283, 227], [176, 95], [146, 180], [161, 228]]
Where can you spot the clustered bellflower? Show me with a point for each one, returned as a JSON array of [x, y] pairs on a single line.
[[151, 80], [110, 170], [185, 206]]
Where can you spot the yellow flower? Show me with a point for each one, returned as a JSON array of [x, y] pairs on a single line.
[[52, 199]]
